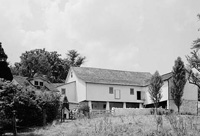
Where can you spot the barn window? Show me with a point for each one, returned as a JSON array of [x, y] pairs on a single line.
[[41, 83], [36, 83], [71, 74], [131, 91], [110, 90], [63, 91]]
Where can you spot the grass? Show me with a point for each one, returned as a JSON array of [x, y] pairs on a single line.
[[137, 125]]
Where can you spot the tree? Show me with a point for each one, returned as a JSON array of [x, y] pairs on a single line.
[[178, 82], [194, 64], [5, 72], [47, 63], [155, 85], [42, 62], [28, 104], [73, 59], [36, 61], [65, 103]]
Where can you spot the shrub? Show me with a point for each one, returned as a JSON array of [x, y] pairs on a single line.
[[29, 105], [152, 111], [85, 109], [171, 111], [186, 113], [160, 111], [51, 103]]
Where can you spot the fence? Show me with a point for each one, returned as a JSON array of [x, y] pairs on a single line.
[[118, 112]]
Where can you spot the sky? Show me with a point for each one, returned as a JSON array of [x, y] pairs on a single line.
[[132, 35]]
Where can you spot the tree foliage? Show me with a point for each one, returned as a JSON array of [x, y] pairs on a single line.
[[155, 85], [73, 58], [28, 104], [5, 71], [194, 64], [178, 82], [47, 63], [65, 103]]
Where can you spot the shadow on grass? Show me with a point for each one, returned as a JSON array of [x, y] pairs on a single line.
[[30, 134]]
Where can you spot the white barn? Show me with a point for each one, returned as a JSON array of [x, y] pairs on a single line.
[[103, 89]]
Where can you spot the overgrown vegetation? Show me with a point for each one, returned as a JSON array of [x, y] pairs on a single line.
[[29, 105], [194, 63], [140, 125], [85, 110]]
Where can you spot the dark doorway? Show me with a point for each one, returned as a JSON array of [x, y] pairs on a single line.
[[138, 95], [116, 105], [132, 105], [162, 104]]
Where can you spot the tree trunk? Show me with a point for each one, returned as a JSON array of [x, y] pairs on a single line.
[[178, 109], [61, 115], [44, 117], [156, 112]]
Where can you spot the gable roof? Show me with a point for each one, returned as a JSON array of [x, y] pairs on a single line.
[[51, 87], [38, 76], [107, 76], [166, 76], [21, 80], [24, 81]]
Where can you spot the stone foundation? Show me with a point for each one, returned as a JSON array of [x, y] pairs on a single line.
[[188, 106]]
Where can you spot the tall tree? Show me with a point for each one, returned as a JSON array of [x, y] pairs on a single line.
[[155, 85], [5, 72], [178, 82], [73, 59], [40, 61], [194, 63], [34, 61], [47, 63]]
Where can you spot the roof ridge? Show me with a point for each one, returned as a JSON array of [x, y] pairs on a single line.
[[112, 70], [166, 73]]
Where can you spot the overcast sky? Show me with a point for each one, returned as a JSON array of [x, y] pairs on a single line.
[[134, 35]]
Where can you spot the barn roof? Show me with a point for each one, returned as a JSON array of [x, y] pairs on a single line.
[[166, 76], [58, 84], [116, 77]]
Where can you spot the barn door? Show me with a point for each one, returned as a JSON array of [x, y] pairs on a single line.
[[117, 94]]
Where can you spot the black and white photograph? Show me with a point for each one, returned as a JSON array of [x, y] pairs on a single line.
[[99, 68]]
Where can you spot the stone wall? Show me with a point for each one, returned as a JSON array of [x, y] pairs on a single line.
[[131, 111], [188, 106]]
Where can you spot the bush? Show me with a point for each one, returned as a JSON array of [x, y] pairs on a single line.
[[85, 109], [186, 113], [51, 103], [29, 105], [161, 111]]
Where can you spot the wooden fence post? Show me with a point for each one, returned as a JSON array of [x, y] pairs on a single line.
[[14, 123]]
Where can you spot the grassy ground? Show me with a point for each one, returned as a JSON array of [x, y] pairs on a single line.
[[138, 125]]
